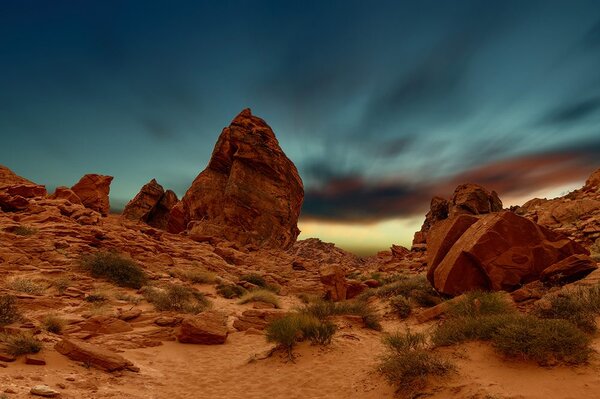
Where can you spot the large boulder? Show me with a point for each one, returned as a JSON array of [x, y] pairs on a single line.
[[333, 278], [499, 251], [208, 328], [249, 193], [151, 205], [66, 193], [93, 355], [469, 198], [93, 191]]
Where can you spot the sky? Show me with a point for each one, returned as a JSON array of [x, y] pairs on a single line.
[[380, 104]]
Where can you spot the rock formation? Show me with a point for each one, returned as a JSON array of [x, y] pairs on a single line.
[[93, 191], [151, 205], [469, 198], [499, 251], [249, 193]]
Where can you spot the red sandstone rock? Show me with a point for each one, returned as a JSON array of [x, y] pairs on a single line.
[[93, 191], [501, 251], [250, 192], [257, 318], [66, 193], [151, 205], [9, 203], [93, 355], [333, 278], [27, 190], [10, 178], [208, 328], [570, 269]]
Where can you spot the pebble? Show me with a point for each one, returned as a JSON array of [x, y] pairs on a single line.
[[45, 391]]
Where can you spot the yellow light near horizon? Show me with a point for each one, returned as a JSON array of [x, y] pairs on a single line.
[[363, 239]]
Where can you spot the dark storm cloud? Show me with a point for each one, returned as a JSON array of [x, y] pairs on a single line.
[[358, 199], [573, 112]]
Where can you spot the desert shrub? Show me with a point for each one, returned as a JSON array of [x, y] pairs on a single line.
[[544, 341], [176, 298], [96, 297], [61, 284], [323, 309], [259, 281], [8, 310], [26, 286], [417, 288], [116, 268], [53, 324], [127, 298], [569, 307], [401, 306], [480, 303], [198, 276], [20, 344], [24, 231], [461, 329], [230, 291], [299, 326], [308, 298], [260, 296], [409, 361]]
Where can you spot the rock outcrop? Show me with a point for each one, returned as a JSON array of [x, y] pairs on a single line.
[[499, 251], [93, 190], [333, 277], [208, 328], [66, 193], [250, 192], [151, 205], [469, 198], [93, 355]]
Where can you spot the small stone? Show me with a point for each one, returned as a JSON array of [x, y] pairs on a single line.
[[45, 391], [5, 357], [61, 385], [34, 360]]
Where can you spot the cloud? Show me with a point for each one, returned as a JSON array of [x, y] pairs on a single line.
[[573, 112], [358, 199]]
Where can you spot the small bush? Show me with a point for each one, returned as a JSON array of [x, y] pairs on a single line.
[[53, 324], [544, 341], [198, 276], [26, 286], [116, 268], [259, 281], [479, 303], [8, 310], [96, 297], [299, 326], [417, 288], [401, 306], [260, 296], [409, 361], [128, 298], [24, 231], [308, 298], [20, 344], [61, 284], [323, 309], [176, 298], [579, 306], [461, 329], [230, 291]]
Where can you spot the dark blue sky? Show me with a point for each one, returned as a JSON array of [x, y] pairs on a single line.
[[380, 104]]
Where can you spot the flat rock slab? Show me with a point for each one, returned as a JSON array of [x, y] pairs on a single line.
[[93, 355], [34, 360], [208, 328], [45, 391]]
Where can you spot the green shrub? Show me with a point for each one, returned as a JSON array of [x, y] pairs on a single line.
[[116, 268], [20, 344], [230, 291], [53, 324], [461, 329], [299, 326], [24, 231], [198, 276], [417, 288], [323, 309], [260, 296], [401, 306], [96, 297], [480, 303], [176, 298], [409, 361], [26, 286], [544, 341], [569, 307], [8, 310], [61, 284]]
